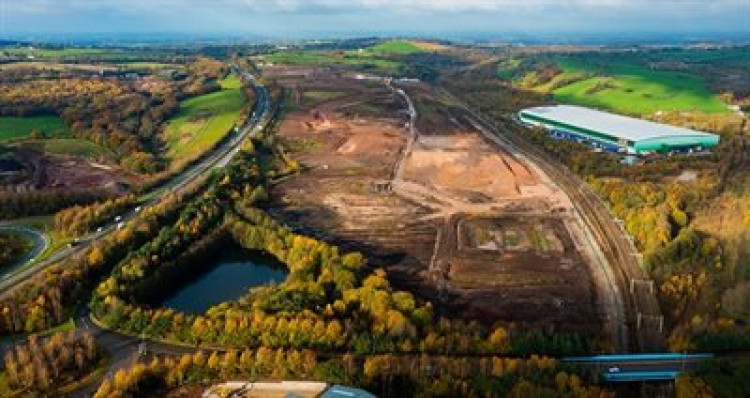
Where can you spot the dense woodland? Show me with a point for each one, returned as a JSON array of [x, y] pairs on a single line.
[[384, 375], [23, 204], [45, 365], [12, 246]]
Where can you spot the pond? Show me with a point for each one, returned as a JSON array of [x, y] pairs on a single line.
[[233, 273]]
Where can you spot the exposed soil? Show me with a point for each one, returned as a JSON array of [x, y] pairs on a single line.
[[460, 222], [30, 170], [464, 166]]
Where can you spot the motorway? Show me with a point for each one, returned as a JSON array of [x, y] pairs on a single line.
[[219, 158], [124, 350], [624, 273]]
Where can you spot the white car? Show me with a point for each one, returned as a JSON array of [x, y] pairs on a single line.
[[100, 229], [614, 369], [138, 209], [118, 218]]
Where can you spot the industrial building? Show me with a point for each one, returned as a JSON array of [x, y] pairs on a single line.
[[616, 133]]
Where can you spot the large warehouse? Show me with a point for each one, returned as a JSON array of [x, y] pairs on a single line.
[[615, 132]]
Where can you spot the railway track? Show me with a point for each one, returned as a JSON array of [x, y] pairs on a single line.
[[641, 308]]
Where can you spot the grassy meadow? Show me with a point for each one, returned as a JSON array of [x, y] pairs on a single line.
[[321, 58], [68, 146], [15, 128], [203, 121], [82, 53], [622, 85], [382, 56], [403, 47]]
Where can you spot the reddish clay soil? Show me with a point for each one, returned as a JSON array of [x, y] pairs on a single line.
[[464, 163], [432, 242]]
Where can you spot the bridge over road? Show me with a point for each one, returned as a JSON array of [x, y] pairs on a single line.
[[628, 368]]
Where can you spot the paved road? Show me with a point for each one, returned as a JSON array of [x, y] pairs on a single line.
[[219, 158], [124, 349], [640, 367], [38, 239]]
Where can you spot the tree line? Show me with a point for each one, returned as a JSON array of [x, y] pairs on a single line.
[[48, 298], [78, 220], [24, 204], [384, 375], [43, 366]]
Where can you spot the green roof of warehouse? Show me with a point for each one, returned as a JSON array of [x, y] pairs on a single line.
[[618, 126]]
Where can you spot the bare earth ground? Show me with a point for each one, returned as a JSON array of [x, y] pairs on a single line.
[[452, 218], [30, 170]]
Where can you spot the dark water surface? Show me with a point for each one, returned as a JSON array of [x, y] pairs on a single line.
[[235, 271]]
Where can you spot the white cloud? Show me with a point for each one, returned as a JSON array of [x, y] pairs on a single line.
[[294, 6], [257, 15]]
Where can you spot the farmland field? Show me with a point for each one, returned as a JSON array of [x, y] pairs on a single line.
[[396, 47], [638, 90], [352, 58], [203, 121], [80, 53], [12, 128], [57, 66], [626, 86], [68, 146]]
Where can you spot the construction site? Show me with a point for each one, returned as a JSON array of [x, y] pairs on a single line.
[[26, 170], [403, 176]]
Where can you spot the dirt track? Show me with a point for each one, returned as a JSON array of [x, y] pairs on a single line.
[[452, 217]]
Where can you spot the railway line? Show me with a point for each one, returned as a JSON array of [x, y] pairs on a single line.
[[639, 307]]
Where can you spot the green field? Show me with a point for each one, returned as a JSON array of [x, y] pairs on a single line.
[[626, 86], [320, 58], [14, 128], [139, 65], [76, 53], [203, 121], [636, 89], [403, 47], [69, 147]]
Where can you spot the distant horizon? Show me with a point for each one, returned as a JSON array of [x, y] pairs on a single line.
[[298, 19], [458, 36]]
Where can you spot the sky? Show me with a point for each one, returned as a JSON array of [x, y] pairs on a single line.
[[279, 17]]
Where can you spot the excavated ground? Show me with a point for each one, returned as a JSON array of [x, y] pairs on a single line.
[[462, 224]]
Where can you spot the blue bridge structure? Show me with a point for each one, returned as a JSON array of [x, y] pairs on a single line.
[[629, 368]]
